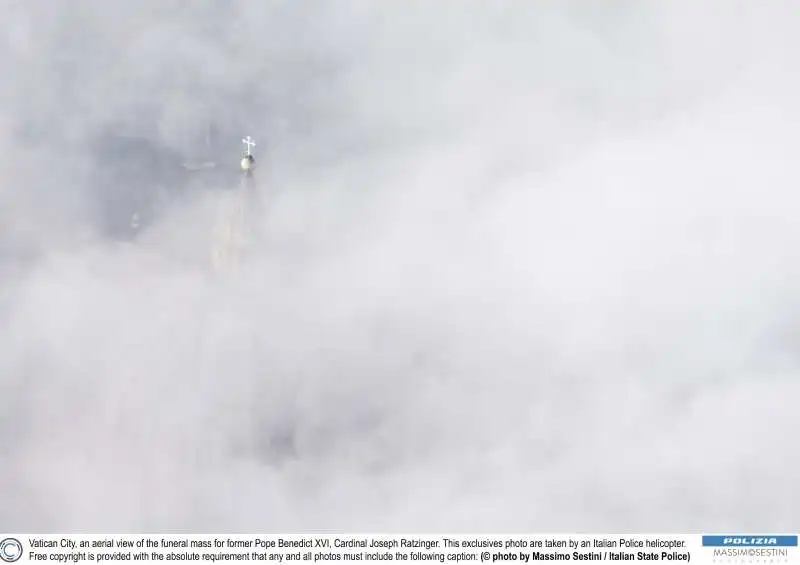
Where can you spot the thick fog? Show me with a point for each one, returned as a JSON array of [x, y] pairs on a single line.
[[524, 266]]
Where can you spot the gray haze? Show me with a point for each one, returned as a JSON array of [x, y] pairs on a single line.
[[527, 266]]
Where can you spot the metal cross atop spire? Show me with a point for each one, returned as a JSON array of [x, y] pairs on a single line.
[[250, 144]]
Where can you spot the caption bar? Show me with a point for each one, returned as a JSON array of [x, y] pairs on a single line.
[[310, 549]]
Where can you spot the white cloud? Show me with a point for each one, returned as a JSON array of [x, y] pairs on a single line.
[[524, 268]]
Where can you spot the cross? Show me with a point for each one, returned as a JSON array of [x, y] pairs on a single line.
[[249, 142]]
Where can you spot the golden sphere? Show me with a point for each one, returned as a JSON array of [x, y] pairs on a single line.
[[248, 163]]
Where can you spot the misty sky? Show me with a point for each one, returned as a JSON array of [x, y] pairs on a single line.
[[526, 266]]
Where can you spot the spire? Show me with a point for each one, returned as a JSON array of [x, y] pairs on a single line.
[[248, 162]]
